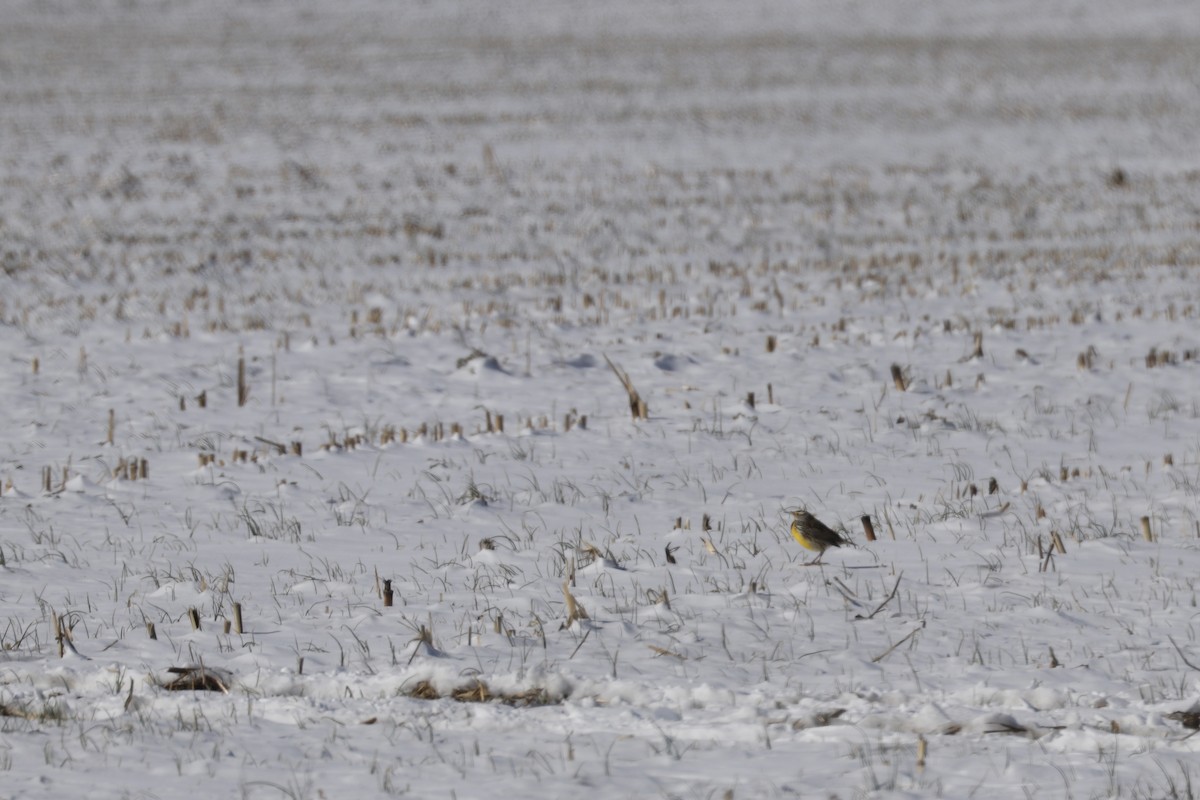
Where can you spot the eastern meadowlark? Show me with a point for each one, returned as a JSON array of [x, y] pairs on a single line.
[[813, 534]]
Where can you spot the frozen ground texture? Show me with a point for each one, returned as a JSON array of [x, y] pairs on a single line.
[[411, 217]]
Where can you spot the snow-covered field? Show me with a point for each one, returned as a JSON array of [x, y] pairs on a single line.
[[931, 262]]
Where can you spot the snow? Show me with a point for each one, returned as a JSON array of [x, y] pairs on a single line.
[[423, 228]]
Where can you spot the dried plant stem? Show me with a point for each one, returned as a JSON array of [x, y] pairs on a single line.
[[868, 528], [637, 406], [1181, 655], [887, 652], [242, 392], [574, 609], [886, 600]]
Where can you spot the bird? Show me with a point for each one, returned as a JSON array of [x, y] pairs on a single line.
[[813, 534], [1188, 719]]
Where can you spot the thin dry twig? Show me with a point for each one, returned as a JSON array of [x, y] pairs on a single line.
[[586, 634], [886, 600], [1181, 655], [887, 652]]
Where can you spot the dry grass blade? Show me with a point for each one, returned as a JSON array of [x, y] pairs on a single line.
[[662, 651], [1181, 655], [845, 591], [887, 652], [637, 406], [1011, 727], [424, 691], [586, 634], [280, 449], [592, 552], [886, 600], [475, 692], [424, 637], [574, 609]]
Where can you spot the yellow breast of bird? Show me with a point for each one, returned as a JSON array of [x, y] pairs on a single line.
[[799, 536]]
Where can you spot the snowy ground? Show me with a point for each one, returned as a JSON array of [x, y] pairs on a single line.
[[409, 220]]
